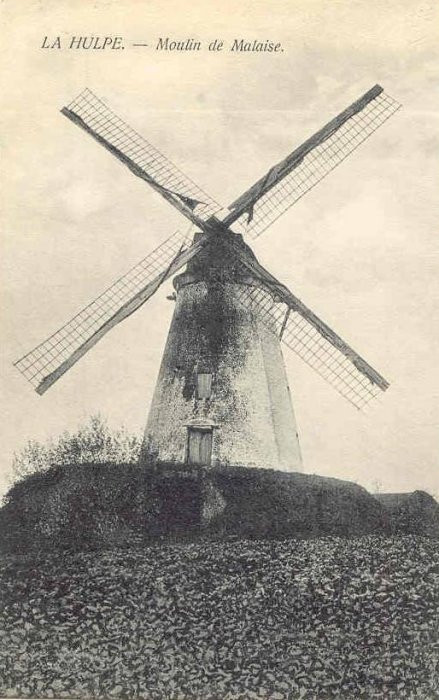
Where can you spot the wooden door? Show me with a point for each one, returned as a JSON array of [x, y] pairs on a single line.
[[199, 446]]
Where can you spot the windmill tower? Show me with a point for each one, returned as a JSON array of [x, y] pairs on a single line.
[[222, 373], [222, 395]]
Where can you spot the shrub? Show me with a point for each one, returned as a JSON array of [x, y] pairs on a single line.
[[93, 443]]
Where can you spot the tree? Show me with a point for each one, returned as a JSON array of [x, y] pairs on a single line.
[[94, 442]]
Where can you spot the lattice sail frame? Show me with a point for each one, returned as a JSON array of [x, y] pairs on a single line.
[[90, 112], [309, 343], [307, 335], [289, 180], [48, 356], [282, 186]]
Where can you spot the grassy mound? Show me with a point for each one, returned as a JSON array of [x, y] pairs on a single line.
[[82, 507], [416, 512], [97, 506], [319, 618]]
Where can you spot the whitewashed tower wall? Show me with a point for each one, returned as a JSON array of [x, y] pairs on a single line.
[[218, 347]]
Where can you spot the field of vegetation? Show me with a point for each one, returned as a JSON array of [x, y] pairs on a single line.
[[321, 618]]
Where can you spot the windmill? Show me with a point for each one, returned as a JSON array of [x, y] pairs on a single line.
[[222, 394]]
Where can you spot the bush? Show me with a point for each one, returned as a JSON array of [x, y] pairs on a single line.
[[80, 507], [93, 443], [105, 506], [411, 513], [96, 506]]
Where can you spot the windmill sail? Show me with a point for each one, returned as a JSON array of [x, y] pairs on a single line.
[[311, 338], [47, 362], [301, 170], [90, 113], [284, 184]]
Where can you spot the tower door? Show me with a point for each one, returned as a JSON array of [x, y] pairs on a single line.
[[199, 446]]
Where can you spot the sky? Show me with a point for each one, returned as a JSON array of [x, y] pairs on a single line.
[[360, 249]]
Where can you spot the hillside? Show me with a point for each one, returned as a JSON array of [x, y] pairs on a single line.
[[311, 619], [100, 506], [411, 512], [93, 506]]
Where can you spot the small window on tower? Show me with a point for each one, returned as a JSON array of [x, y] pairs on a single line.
[[204, 386]]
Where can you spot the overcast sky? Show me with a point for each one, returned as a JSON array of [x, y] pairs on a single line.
[[361, 249]]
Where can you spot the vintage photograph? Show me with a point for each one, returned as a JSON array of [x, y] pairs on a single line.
[[220, 393]]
